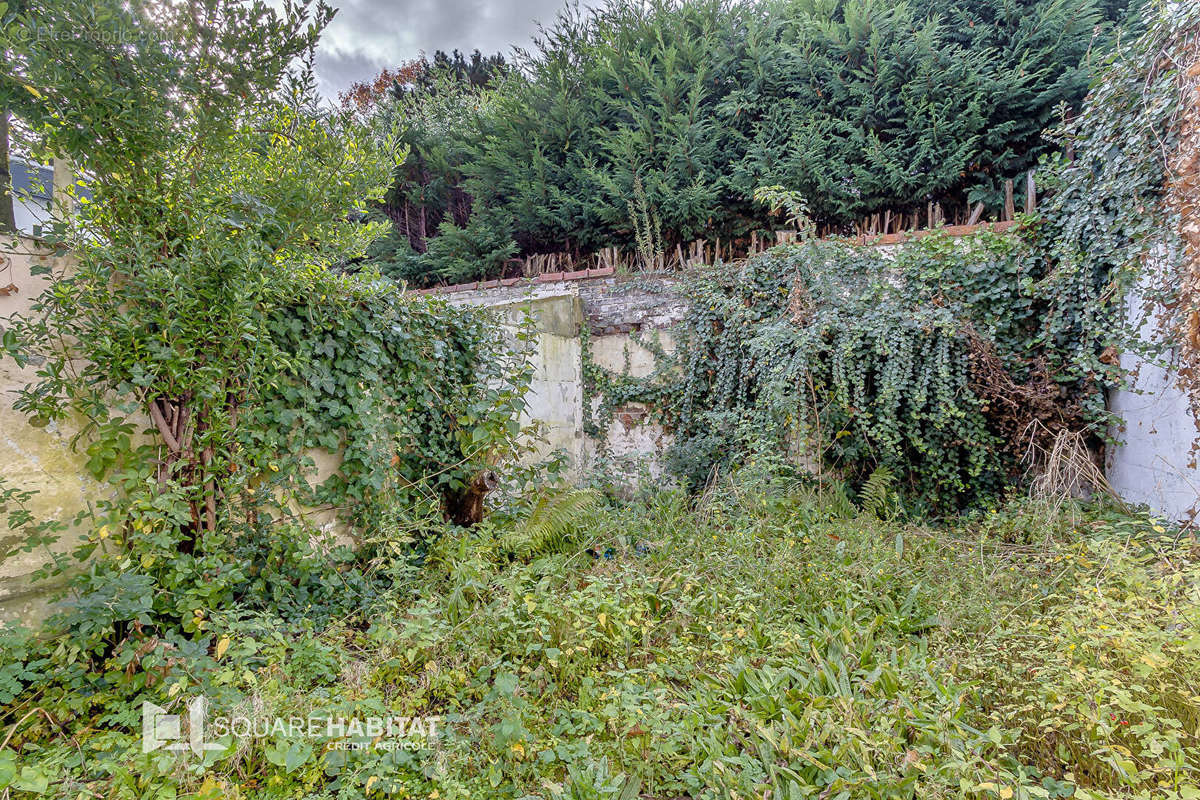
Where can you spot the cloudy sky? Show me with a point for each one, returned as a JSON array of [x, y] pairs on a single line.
[[368, 35]]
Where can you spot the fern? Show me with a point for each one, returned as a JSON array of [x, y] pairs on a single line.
[[550, 522], [834, 501], [875, 496]]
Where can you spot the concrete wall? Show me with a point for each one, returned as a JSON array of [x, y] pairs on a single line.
[[616, 312], [32, 458], [621, 315], [556, 391], [1155, 464]]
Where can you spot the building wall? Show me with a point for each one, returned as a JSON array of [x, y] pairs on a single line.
[[32, 458], [1154, 463]]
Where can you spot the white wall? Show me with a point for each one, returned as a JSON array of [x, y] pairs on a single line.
[[1154, 464]]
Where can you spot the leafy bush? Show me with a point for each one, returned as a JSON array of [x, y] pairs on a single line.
[[1107, 696], [860, 356], [204, 340]]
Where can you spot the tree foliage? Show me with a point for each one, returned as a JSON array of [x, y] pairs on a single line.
[[859, 106], [199, 328]]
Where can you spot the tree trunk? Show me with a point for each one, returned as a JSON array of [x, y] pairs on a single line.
[[465, 506], [8, 222]]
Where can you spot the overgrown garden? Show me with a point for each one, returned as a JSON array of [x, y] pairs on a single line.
[[850, 592]]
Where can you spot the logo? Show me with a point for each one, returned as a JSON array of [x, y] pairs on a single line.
[[163, 730]]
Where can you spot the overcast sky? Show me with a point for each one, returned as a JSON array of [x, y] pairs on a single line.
[[368, 35]]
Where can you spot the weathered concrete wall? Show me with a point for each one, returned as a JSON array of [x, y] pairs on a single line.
[[621, 315], [1154, 463], [616, 312], [38, 459], [556, 391]]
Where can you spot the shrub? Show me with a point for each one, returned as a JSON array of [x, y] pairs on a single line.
[[203, 339]]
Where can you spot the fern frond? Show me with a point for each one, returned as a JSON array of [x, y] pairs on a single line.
[[874, 495], [550, 522], [835, 502]]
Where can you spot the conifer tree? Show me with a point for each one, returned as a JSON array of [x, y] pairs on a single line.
[[666, 116]]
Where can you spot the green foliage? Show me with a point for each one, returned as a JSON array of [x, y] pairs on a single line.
[[876, 493], [475, 70], [647, 229], [552, 518], [697, 105], [1111, 238], [856, 354], [1111, 676], [785, 203], [473, 252], [936, 359], [756, 641], [202, 337], [414, 395]]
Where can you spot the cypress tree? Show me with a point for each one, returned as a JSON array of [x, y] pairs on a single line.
[[664, 117]]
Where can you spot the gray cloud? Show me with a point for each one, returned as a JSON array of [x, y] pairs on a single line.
[[368, 35]]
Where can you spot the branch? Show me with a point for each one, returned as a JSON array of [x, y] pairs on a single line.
[[160, 422]]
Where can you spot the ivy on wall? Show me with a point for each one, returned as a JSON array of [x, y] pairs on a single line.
[[861, 355], [414, 395], [1112, 238], [945, 360]]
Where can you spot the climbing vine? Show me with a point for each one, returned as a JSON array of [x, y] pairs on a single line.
[[201, 331], [1112, 240], [860, 355], [415, 397], [947, 361], [605, 390]]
